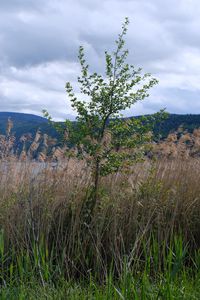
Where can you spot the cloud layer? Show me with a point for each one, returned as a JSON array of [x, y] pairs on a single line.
[[39, 41]]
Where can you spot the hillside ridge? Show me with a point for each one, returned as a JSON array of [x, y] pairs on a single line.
[[29, 136]]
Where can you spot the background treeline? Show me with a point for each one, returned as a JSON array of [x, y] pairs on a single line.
[[27, 123]]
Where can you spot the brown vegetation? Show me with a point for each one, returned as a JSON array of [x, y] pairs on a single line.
[[52, 205], [179, 145], [43, 148]]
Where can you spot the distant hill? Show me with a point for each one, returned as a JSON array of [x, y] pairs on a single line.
[[21, 117], [25, 123], [28, 123], [188, 122], [31, 136]]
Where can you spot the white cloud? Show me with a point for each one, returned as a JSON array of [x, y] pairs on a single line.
[[39, 42]]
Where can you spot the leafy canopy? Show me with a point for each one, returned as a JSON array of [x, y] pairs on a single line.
[[101, 135]]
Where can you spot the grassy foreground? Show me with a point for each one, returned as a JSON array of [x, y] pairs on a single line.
[[130, 288], [141, 241]]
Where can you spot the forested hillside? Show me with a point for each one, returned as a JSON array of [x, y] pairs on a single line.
[[29, 136], [27, 123]]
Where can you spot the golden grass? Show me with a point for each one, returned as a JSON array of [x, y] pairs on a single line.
[[52, 205]]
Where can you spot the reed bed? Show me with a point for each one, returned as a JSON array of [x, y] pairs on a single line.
[[146, 223]]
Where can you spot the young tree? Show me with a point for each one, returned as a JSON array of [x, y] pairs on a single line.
[[101, 135]]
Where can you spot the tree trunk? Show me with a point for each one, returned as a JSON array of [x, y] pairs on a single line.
[[91, 200], [96, 180]]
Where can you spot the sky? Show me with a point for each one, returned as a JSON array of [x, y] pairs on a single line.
[[39, 42]]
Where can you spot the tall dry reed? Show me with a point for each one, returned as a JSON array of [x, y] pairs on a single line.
[[45, 209]]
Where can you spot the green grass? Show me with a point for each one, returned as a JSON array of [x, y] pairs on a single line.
[[174, 275], [142, 288]]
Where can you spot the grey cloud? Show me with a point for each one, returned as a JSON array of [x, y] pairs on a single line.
[[16, 5], [175, 100], [57, 33], [36, 42], [39, 42]]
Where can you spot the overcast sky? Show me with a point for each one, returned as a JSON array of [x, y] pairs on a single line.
[[39, 41]]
